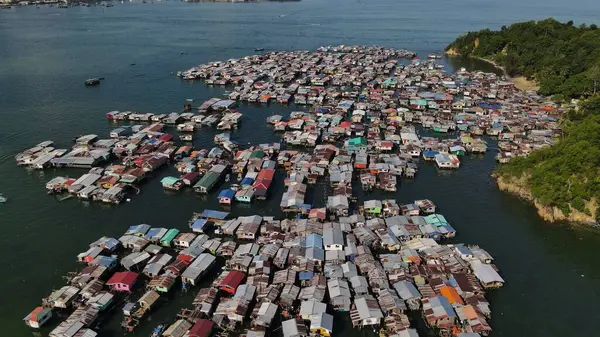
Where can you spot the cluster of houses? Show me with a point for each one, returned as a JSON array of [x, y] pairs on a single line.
[[214, 112], [150, 259], [365, 104], [130, 160], [375, 267], [279, 76], [368, 92]]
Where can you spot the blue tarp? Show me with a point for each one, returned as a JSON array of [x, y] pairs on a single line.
[[209, 213]]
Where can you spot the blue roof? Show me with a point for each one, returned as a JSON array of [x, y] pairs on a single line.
[[155, 231], [209, 213], [447, 228], [199, 224], [247, 181], [314, 240], [226, 193], [138, 229], [105, 261], [305, 275], [430, 153], [224, 103], [109, 243], [464, 250], [442, 302]]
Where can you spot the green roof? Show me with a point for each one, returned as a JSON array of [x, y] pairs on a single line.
[[169, 180], [169, 236], [357, 141], [208, 180], [257, 154]]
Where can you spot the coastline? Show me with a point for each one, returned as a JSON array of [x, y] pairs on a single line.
[[520, 82], [551, 214]]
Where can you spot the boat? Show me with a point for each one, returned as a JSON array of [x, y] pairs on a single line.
[[259, 49], [235, 187], [186, 137], [227, 178], [218, 231], [92, 81], [158, 330], [3, 199]]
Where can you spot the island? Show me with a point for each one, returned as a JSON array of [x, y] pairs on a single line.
[[562, 60]]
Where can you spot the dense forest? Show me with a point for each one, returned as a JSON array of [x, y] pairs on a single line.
[[566, 175], [562, 58]]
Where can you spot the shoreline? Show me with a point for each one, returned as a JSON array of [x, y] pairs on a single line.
[[520, 82], [551, 214]]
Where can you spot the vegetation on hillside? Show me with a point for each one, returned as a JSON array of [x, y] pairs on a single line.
[[567, 174], [562, 58]]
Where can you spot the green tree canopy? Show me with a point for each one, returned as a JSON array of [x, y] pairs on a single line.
[[563, 58]]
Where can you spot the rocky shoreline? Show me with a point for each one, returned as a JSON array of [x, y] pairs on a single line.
[[552, 214]]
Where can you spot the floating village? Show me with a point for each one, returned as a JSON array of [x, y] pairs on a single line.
[[361, 115], [375, 266]]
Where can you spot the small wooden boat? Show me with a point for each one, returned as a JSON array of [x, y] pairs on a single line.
[[158, 330], [93, 81]]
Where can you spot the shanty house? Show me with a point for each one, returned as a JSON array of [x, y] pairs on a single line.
[[368, 312], [294, 328], [38, 317], [232, 281], [202, 328], [439, 312], [311, 308], [322, 324], [122, 281], [333, 238]]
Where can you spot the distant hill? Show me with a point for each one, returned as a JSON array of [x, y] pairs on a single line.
[[563, 59]]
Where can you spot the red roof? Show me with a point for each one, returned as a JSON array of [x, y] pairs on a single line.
[[123, 277], [202, 328], [262, 184], [185, 258], [265, 174], [233, 279], [166, 137]]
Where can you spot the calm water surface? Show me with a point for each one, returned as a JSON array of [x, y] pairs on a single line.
[[552, 272]]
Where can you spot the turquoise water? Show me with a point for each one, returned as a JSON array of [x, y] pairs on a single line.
[[552, 271]]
